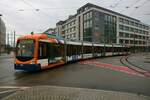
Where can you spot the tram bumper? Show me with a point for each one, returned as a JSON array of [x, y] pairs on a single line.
[[27, 67]]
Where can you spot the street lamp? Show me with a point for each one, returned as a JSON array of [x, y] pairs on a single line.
[[0, 33]]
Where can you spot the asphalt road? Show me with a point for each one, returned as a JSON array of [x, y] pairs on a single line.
[[77, 75]]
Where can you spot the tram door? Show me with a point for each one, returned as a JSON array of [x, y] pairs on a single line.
[[43, 54]]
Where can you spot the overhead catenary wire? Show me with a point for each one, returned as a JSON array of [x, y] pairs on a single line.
[[138, 7], [116, 4], [37, 10], [130, 6], [49, 8], [134, 3], [145, 2], [27, 3]]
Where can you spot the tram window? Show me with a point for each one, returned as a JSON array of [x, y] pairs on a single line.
[[97, 50], [79, 49], [74, 50], [55, 51], [69, 50], [87, 49], [108, 49], [119, 49], [25, 50], [115, 49]]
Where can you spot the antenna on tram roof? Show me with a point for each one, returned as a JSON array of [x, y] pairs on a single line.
[[32, 33]]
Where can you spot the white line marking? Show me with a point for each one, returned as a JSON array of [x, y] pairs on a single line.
[[9, 91], [13, 87]]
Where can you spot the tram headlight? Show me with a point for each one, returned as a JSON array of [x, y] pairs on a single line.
[[32, 62]]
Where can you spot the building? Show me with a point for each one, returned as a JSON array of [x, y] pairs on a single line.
[[51, 31], [99, 25], [68, 28], [2, 35]]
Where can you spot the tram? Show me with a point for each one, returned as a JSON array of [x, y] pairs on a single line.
[[36, 52]]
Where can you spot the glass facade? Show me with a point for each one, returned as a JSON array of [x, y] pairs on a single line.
[[110, 29], [87, 26], [132, 32]]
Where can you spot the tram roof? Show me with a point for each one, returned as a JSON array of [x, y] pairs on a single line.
[[73, 43], [98, 44], [118, 45], [33, 36]]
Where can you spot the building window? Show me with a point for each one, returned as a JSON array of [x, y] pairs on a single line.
[[70, 35], [132, 23], [132, 29], [86, 8], [91, 14], [121, 20], [136, 30], [126, 41], [126, 22], [74, 34], [90, 23], [84, 17], [87, 24], [131, 42], [73, 22], [121, 34], [136, 24], [127, 35], [121, 41], [131, 36], [121, 27], [87, 16], [140, 42], [110, 29], [126, 28], [72, 29]]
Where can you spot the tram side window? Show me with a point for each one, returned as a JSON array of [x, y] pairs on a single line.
[[87, 49], [120, 49], [97, 50], [69, 50], [55, 51], [43, 50], [108, 49], [115, 49], [79, 49]]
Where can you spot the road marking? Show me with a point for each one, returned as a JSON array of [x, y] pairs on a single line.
[[13, 87], [8, 91], [112, 67]]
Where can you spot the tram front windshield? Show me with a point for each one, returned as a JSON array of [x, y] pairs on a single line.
[[25, 50]]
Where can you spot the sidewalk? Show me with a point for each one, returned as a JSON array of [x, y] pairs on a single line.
[[5, 55], [69, 93], [141, 60]]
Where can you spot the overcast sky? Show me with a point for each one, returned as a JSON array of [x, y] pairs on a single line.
[[25, 16]]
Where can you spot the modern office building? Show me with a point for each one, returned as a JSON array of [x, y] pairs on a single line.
[[68, 28], [96, 24], [2, 35]]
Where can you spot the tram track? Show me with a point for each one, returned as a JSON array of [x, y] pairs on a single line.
[[23, 74], [125, 61]]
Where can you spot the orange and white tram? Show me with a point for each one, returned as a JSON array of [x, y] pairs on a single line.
[[39, 51]]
